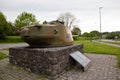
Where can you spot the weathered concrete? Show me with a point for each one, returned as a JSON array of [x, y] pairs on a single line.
[[50, 61]]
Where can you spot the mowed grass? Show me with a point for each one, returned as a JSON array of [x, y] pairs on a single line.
[[12, 39], [97, 48], [93, 47], [2, 56]]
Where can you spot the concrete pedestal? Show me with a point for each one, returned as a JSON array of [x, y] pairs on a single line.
[[50, 61]]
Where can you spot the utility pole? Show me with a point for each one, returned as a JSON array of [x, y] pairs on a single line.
[[100, 23]]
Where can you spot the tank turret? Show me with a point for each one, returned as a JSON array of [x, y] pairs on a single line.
[[52, 34]]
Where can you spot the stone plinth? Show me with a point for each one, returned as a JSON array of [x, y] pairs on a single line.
[[50, 61]]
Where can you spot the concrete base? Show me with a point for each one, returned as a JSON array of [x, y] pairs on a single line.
[[50, 61]]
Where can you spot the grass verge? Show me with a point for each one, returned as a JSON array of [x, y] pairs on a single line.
[[2, 56], [12, 39], [93, 47], [5, 49]]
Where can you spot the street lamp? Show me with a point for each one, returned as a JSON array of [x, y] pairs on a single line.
[[100, 23]]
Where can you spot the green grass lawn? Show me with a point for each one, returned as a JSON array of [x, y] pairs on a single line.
[[97, 48], [12, 39], [93, 47], [2, 56]]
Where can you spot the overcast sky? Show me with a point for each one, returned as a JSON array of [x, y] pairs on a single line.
[[87, 11]]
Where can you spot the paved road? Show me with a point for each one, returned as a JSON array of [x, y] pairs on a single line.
[[102, 68], [108, 40], [108, 43], [12, 45]]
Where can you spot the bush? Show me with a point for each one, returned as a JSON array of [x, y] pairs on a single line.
[[75, 37]]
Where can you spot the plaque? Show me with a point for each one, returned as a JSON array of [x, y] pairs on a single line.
[[81, 59]]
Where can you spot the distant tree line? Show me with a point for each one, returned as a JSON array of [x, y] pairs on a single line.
[[105, 35], [92, 35], [111, 35]]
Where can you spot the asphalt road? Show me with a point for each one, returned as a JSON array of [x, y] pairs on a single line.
[[107, 40], [110, 44], [12, 45]]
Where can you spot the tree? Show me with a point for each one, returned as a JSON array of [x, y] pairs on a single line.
[[86, 34], [76, 31], [94, 33], [68, 18], [45, 22], [12, 30], [25, 19], [4, 27]]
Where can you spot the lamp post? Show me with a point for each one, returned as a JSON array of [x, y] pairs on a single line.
[[100, 23]]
